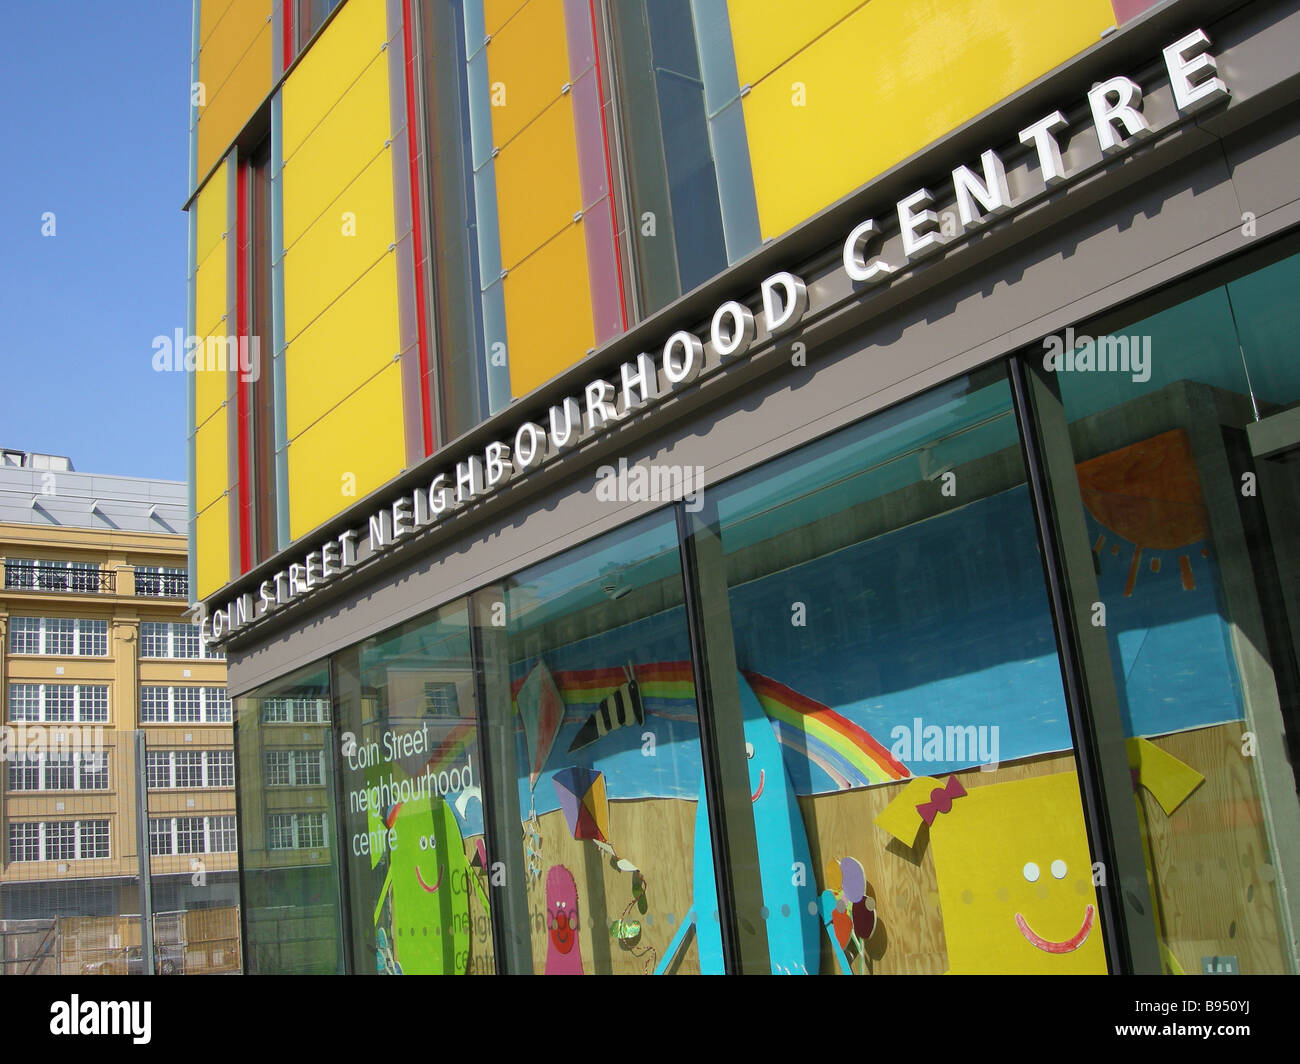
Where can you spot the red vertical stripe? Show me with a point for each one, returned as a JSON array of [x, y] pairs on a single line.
[[286, 19], [242, 244], [417, 226], [609, 167]]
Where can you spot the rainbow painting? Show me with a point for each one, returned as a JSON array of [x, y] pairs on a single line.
[[811, 734], [844, 751]]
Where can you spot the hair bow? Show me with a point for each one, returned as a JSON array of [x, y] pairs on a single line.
[[941, 799]]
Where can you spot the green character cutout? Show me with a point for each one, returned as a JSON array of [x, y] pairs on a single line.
[[429, 876]]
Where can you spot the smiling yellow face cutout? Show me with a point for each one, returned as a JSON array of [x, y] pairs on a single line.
[[1014, 873]]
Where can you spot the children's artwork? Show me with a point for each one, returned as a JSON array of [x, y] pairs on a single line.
[[563, 952], [814, 734], [428, 876], [1150, 535], [1013, 869], [848, 911], [618, 710], [582, 798], [542, 711], [793, 926]]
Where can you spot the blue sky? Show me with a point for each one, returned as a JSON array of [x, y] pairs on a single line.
[[94, 114]]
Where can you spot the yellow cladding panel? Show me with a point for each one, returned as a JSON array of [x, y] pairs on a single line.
[[210, 15], [231, 105], [537, 183], [210, 476], [765, 33], [550, 288], [210, 293], [326, 260], [528, 65], [344, 347], [362, 438], [212, 548], [333, 63], [890, 79], [230, 40], [337, 150], [211, 221], [497, 12], [211, 389]]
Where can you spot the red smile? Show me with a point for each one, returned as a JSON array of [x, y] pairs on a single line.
[[420, 879], [1047, 946], [562, 933], [759, 793]]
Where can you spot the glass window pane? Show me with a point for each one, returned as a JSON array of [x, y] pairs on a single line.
[[419, 882], [288, 856], [607, 758], [897, 660], [1184, 493]]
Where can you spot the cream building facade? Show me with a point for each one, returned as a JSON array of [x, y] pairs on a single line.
[[95, 643]]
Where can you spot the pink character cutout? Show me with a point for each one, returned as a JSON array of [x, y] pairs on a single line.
[[563, 956]]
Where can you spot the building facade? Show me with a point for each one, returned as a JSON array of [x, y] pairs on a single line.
[[96, 645], [729, 486]]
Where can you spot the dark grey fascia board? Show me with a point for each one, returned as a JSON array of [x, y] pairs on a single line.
[[1262, 25]]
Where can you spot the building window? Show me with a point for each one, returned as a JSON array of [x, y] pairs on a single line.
[[296, 768], [24, 842], [58, 840], [58, 703], [295, 831], [94, 838], [59, 772], [440, 700], [191, 834], [157, 581], [184, 705], [160, 836], [32, 575], [25, 773], [221, 834], [61, 841], [164, 639], [64, 636], [295, 711], [93, 772], [190, 769]]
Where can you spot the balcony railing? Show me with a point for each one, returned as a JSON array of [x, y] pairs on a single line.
[[162, 585], [49, 576]]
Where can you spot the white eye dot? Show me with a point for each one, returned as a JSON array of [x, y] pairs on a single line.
[[424, 842], [1058, 869], [1031, 872], [749, 751]]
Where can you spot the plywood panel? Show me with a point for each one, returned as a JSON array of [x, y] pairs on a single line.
[[1211, 865]]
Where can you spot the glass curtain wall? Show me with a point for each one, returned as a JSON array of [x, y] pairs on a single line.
[[599, 714], [1171, 441], [1000, 679], [288, 855], [412, 811], [903, 700]]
